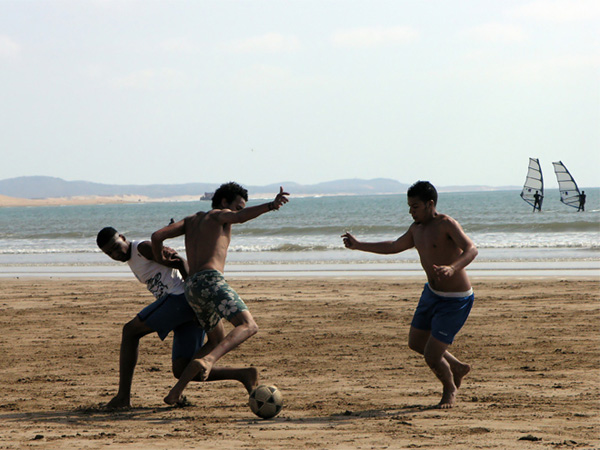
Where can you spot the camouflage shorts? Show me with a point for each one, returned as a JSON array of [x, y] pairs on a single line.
[[211, 298]]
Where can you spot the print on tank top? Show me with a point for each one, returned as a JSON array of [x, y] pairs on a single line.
[[156, 286]]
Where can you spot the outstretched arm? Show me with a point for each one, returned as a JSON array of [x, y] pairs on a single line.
[[404, 242], [252, 212]]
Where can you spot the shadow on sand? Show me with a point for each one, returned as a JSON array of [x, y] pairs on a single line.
[[402, 415], [89, 414], [157, 415]]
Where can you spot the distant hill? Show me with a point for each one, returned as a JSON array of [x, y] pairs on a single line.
[[35, 187], [50, 187]]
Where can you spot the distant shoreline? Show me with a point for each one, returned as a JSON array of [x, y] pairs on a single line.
[[6, 201], [483, 269]]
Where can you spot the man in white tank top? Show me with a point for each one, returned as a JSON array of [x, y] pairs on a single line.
[[169, 312]]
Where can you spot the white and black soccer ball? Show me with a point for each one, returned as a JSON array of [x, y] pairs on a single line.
[[265, 401]]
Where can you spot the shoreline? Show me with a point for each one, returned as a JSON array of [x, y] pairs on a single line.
[[505, 269], [83, 200]]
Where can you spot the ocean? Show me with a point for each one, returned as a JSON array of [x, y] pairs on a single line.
[[305, 234]]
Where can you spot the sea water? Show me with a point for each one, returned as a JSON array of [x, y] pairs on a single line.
[[306, 231]]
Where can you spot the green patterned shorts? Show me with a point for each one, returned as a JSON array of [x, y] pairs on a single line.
[[211, 298]]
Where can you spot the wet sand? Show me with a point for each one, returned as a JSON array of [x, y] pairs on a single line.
[[336, 347]]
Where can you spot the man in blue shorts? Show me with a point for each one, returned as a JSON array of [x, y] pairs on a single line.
[[445, 250], [170, 312]]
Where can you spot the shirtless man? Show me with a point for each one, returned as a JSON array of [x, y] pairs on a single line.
[[207, 238], [445, 250], [169, 312]]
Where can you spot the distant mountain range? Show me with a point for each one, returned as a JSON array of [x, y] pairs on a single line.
[[35, 187]]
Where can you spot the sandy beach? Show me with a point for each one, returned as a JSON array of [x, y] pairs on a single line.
[[6, 201], [337, 350]]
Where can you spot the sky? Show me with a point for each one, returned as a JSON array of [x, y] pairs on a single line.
[[306, 91]]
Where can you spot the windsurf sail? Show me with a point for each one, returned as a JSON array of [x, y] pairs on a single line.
[[533, 183], [569, 192]]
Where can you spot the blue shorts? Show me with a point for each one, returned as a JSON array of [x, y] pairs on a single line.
[[173, 313], [443, 316]]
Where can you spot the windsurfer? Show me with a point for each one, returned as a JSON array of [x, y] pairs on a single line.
[[537, 203], [581, 202]]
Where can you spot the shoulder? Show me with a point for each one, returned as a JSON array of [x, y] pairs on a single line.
[[445, 220], [195, 217], [218, 215], [449, 224], [144, 248]]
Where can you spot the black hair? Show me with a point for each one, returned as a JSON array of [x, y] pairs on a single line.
[[424, 191], [228, 191], [104, 235]]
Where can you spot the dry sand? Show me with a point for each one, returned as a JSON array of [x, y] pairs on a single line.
[[6, 201], [337, 350]]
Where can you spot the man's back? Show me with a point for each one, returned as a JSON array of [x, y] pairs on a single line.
[[206, 241]]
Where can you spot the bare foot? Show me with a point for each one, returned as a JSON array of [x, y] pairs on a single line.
[[118, 403], [448, 400], [459, 372], [249, 378], [176, 400], [202, 367]]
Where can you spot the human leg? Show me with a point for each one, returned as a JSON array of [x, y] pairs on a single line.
[[201, 366], [434, 357], [188, 344], [133, 331], [161, 316], [418, 341]]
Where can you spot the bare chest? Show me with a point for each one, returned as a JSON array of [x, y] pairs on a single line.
[[431, 238]]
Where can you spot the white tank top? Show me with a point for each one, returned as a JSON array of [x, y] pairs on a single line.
[[159, 279]]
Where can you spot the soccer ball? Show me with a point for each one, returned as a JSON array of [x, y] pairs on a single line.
[[265, 401]]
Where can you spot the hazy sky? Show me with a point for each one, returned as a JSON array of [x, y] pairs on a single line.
[[265, 91]]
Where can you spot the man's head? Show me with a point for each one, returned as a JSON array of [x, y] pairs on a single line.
[[114, 244], [422, 199], [230, 196]]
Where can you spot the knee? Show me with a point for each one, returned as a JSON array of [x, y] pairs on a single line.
[[416, 346], [179, 366], [129, 329], [433, 358], [134, 329], [430, 360], [252, 328]]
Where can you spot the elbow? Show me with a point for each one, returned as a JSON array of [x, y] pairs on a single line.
[[156, 238]]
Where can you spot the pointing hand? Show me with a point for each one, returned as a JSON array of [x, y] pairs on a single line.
[[280, 199]]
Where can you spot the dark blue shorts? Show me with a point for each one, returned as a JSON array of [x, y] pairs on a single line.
[[173, 313], [443, 316]]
